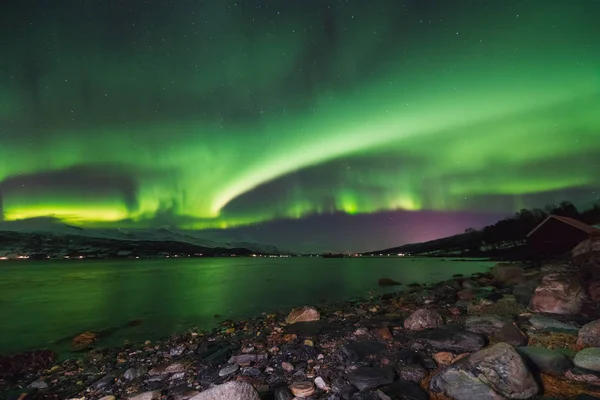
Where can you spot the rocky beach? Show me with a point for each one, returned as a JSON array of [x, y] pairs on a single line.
[[517, 332]]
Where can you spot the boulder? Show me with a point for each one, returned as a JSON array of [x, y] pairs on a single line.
[[423, 319], [593, 291], [587, 247], [303, 314], [589, 335], [496, 372], [231, 390], [588, 359], [511, 334], [558, 294], [545, 360], [451, 340], [507, 273]]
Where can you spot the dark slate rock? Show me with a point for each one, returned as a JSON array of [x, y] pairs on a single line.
[[370, 378], [488, 325], [215, 353], [512, 335], [347, 392], [316, 328], [360, 351], [366, 395], [413, 373], [451, 340], [523, 292], [408, 357], [405, 390], [282, 393], [546, 360], [487, 374]]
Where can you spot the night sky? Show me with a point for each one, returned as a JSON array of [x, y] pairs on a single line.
[[305, 124]]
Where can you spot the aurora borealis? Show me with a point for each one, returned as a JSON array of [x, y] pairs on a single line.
[[279, 114]]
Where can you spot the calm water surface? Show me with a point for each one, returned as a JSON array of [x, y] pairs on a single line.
[[42, 303]]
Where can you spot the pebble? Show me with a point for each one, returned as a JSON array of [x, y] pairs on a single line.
[[230, 369], [302, 389]]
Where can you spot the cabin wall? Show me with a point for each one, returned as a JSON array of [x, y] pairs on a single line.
[[555, 237]]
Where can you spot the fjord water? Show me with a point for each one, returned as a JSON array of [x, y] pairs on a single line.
[[44, 304]]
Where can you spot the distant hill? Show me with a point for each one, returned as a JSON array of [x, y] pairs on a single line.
[[504, 239]]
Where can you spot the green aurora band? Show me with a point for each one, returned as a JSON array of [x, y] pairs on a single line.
[[349, 108]]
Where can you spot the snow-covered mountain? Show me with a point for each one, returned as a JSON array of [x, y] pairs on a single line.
[[52, 228]]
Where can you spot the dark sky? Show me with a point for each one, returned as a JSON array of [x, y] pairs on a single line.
[[338, 125]]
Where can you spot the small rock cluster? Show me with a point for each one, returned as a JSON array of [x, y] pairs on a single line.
[[514, 333]]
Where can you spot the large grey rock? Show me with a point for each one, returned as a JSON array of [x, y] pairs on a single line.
[[507, 273], [545, 360], [588, 359], [542, 322], [423, 319], [496, 372], [524, 291], [231, 390], [558, 294], [488, 325], [451, 340], [370, 378], [589, 334]]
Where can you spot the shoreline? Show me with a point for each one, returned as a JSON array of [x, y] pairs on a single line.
[[323, 355]]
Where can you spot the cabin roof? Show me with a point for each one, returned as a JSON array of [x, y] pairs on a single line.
[[569, 221]]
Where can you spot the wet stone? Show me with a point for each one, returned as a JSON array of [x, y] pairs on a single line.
[[405, 390], [588, 359], [545, 360]]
